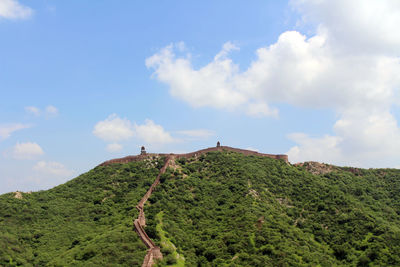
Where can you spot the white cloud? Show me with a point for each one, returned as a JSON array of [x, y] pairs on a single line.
[[51, 111], [324, 149], [301, 71], [27, 151], [52, 168], [152, 133], [114, 147], [364, 139], [261, 110], [363, 47], [12, 9], [197, 134], [357, 25], [211, 85], [226, 49], [7, 129], [351, 65], [33, 110], [114, 129]]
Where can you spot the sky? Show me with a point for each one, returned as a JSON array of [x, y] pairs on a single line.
[[82, 82]]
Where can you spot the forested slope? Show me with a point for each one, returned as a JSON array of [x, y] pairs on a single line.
[[215, 209], [85, 222], [226, 209]]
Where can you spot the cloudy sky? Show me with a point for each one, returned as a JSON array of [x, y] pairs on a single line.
[[83, 82]]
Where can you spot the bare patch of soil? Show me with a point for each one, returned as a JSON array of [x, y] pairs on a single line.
[[316, 167], [260, 222], [285, 202]]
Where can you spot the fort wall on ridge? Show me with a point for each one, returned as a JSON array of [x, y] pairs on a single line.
[[145, 155]]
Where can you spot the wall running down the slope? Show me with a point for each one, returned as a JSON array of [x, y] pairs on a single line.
[[154, 252]]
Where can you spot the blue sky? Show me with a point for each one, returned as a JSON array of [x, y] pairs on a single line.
[[84, 82]]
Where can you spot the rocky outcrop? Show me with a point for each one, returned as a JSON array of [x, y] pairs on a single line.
[[316, 167], [18, 195]]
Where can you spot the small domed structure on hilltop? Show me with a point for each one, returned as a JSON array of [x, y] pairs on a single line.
[[143, 151], [218, 144]]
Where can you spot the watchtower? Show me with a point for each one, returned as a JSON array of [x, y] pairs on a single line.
[[218, 144], [142, 151]]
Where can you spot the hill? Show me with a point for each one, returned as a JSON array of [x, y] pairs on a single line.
[[217, 208], [84, 222]]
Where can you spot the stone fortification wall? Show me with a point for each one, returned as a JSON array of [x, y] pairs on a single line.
[[232, 149], [197, 153], [127, 159], [153, 251]]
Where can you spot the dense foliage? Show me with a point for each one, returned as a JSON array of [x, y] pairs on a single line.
[[226, 209], [220, 209], [85, 222]]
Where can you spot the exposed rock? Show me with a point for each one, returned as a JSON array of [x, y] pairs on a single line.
[[300, 218], [173, 164], [18, 195], [254, 193], [284, 202], [260, 222], [316, 167]]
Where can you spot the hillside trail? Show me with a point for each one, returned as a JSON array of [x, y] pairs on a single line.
[[153, 251]]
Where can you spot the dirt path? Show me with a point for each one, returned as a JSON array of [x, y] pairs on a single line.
[[153, 252]]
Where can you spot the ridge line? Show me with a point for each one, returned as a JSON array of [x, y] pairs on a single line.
[[196, 153]]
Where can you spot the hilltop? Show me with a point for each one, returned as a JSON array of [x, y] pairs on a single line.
[[215, 207]]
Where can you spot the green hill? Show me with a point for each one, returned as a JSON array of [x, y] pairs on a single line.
[[85, 222], [216, 209]]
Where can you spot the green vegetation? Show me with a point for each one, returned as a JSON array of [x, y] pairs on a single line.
[[220, 209], [85, 222], [226, 209], [171, 257]]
